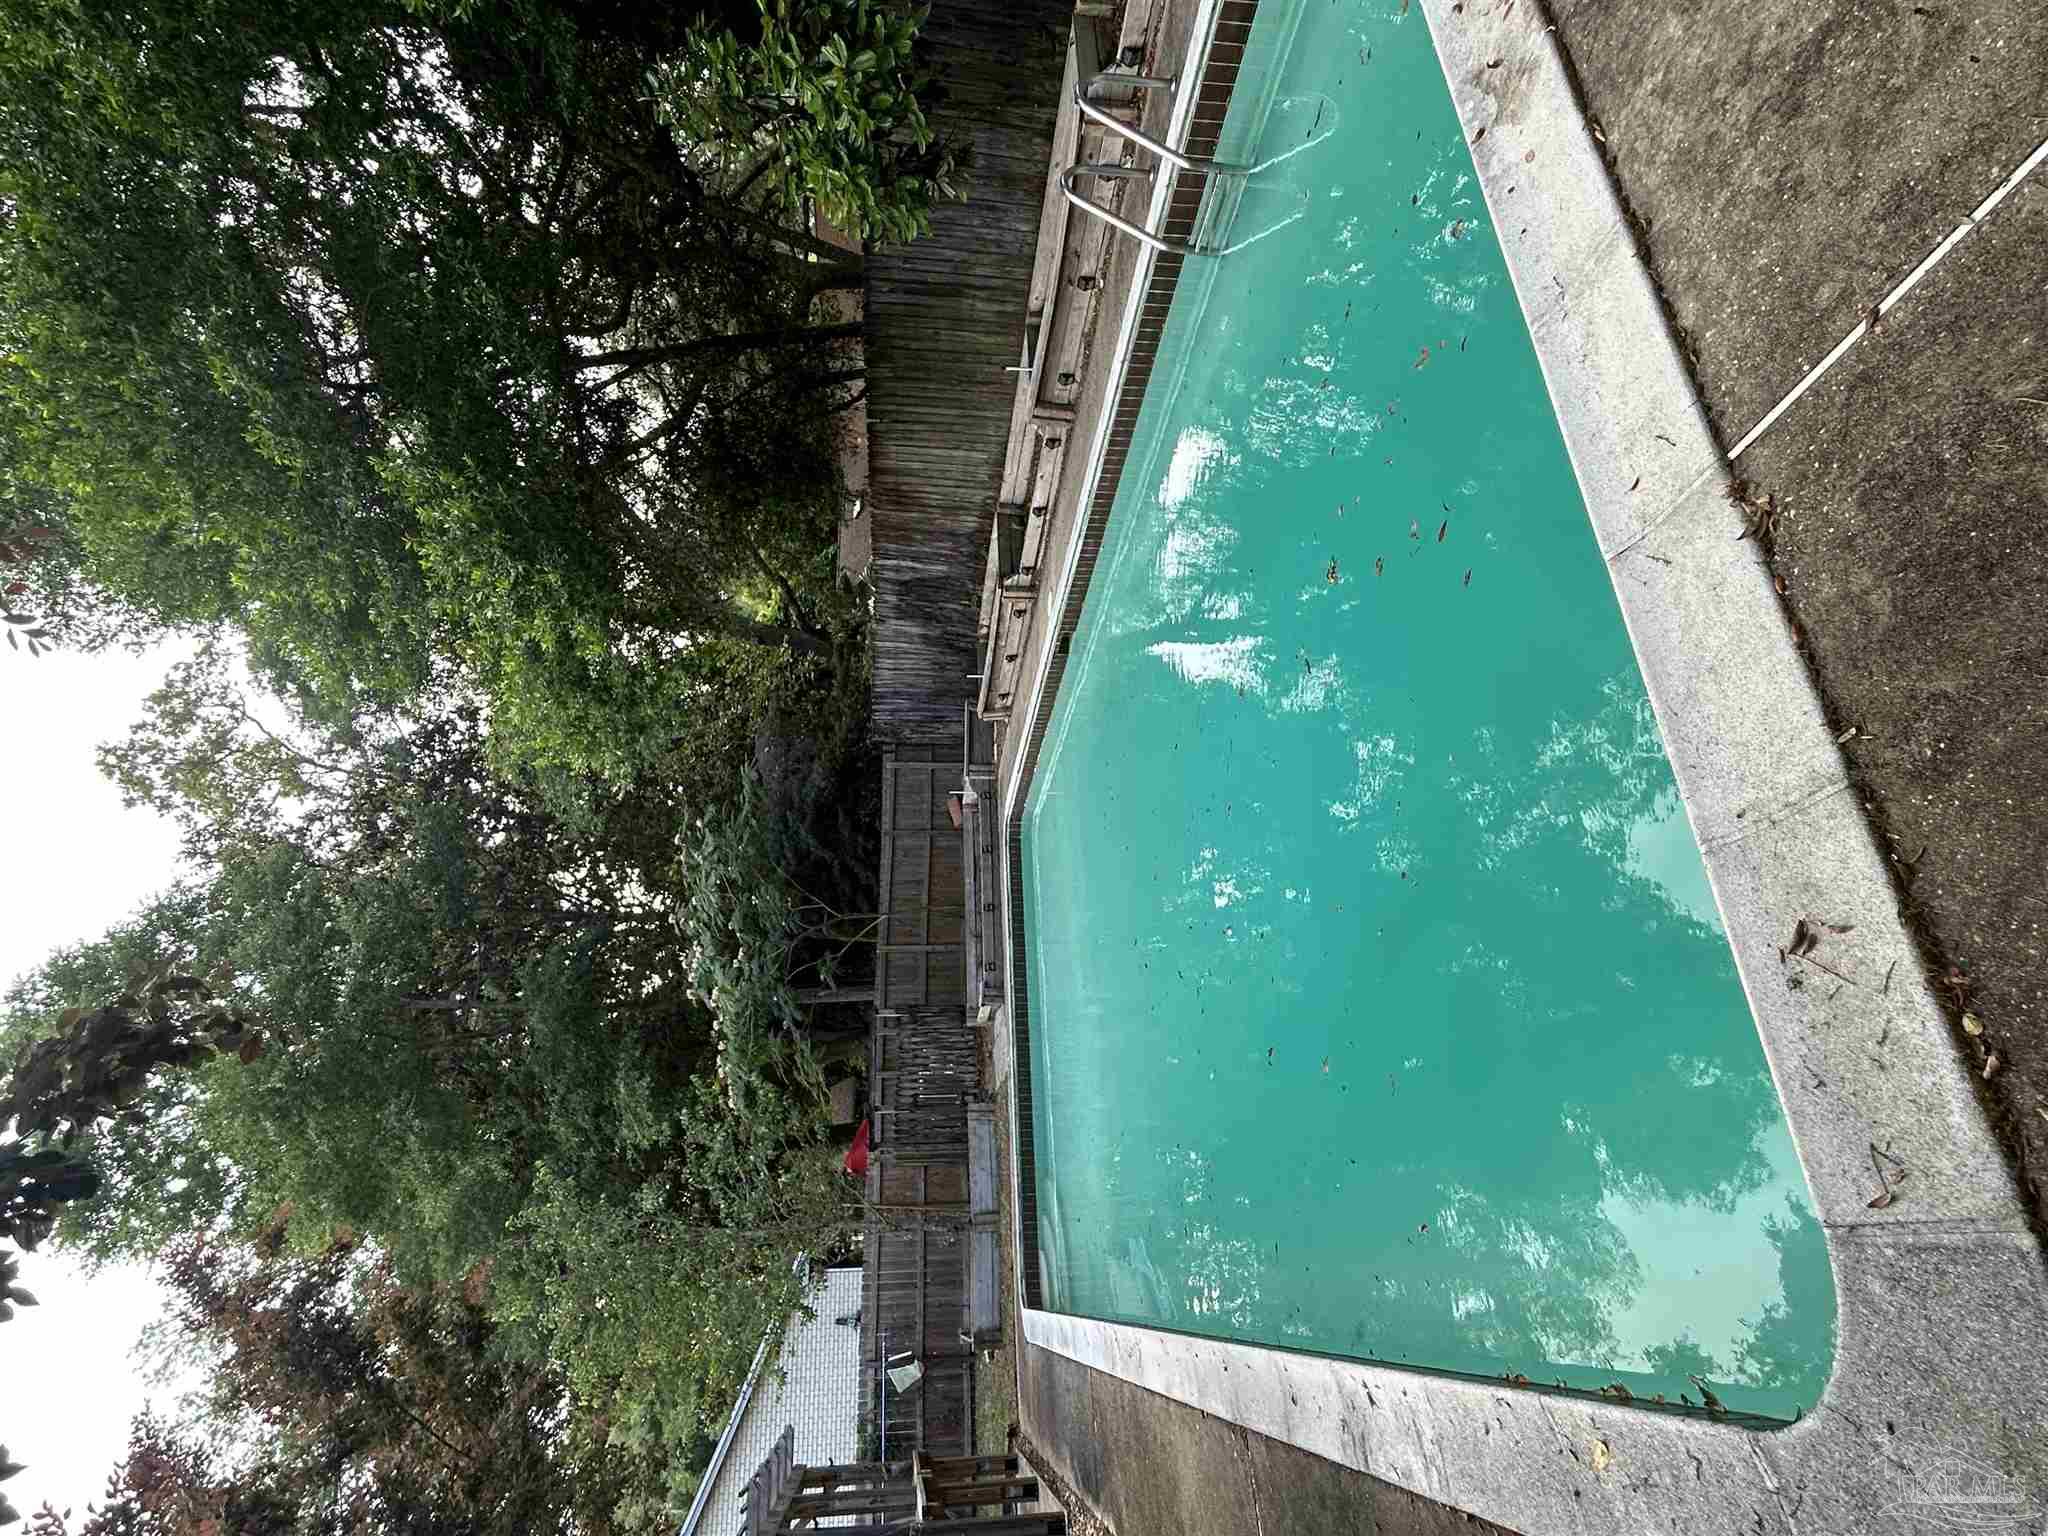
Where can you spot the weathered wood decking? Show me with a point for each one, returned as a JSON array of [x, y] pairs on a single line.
[[945, 318], [786, 1499]]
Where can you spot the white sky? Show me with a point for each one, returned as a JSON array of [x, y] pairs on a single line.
[[77, 861]]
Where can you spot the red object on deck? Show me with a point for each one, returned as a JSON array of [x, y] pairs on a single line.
[[857, 1154]]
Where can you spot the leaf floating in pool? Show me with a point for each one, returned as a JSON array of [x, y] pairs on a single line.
[[1404, 7], [1269, 1057], [1326, 1066], [1379, 565], [1457, 228], [1461, 342], [1414, 529], [1422, 359], [1331, 574], [1468, 576], [1441, 529], [1413, 200]]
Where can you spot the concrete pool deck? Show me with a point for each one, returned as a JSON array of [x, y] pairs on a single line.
[[1942, 1291]]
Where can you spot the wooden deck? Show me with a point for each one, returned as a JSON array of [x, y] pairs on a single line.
[[1068, 284], [903, 1494]]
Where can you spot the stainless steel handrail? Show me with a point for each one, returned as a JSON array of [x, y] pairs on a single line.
[[1123, 173], [1145, 141]]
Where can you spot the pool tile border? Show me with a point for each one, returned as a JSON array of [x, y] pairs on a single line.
[[1936, 1409]]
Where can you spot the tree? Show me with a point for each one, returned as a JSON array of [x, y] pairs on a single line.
[[827, 105], [404, 339]]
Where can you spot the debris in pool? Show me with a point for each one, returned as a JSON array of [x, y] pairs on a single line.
[[1457, 228], [1468, 576], [1326, 1066], [1331, 574], [1420, 361], [1441, 529], [1414, 528], [1461, 342], [1714, 1404], [1618, 1392], [1379, 568]]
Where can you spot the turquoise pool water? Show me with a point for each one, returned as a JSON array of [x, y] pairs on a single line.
[[1379, 1004]]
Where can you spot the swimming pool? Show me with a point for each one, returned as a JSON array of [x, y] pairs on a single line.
[[1379, 1002]]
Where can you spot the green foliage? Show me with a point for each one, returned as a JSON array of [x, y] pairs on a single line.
[[409, 343], [468, 406], [551, 1055], [828, 105]]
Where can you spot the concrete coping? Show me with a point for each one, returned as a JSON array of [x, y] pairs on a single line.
[[1937, 1412]]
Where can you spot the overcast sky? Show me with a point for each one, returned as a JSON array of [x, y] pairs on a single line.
[[77, 861]]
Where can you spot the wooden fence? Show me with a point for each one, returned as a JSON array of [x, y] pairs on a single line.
[[921, 962], [918, 1241], [944, 319]]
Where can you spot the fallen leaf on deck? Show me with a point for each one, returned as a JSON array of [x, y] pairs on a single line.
[[1493, 63], [1603, 1458], [1848, 735], [1972, 1025], [1637, 486], [1991, 1064], [1529, 157], [1879, 1201], [1480, 134]]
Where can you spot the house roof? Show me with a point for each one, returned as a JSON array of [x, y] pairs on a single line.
[[807, 1397]]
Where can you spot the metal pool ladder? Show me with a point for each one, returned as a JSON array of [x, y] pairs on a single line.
[[1091, 71]]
